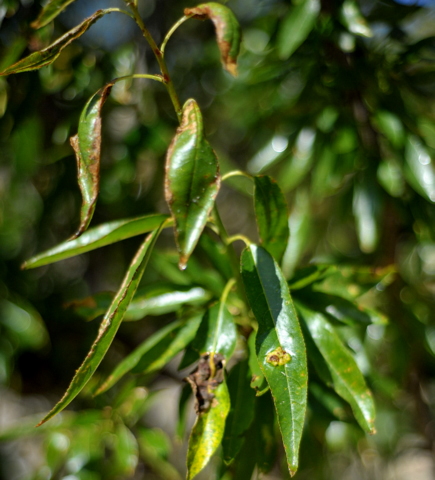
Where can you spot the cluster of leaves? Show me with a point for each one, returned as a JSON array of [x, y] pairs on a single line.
[[325, 152]]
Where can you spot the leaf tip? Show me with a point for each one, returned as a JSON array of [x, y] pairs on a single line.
[[182, 264], [293, 469]]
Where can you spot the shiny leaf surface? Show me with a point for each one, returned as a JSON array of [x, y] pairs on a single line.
[[192, 180], [87, 147], [272, 216], [109, 325], [98, 237], [228, 31], [51, 10], [279, 344]]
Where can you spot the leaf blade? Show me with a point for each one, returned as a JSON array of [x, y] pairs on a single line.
[[279, 344], [192, 180], [51, 10]]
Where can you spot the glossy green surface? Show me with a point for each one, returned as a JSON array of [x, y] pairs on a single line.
[[192, 180], [97, 237], [207, 432], [50, 11], [109, 325], [217, 332], [87, 147], [49, 54], [272, 216], [228, 31], [278, 326], [347, 378]]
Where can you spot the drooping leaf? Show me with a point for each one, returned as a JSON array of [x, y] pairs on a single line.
[[87, 147], [228, 31], [155, 351], [217, 332], [347, 378], [330, 401], [242, 400], [109, 325], [192, 180], [49, 54], [216, 253], [207, 432], [296, 26], [279, 344], [51, 10], [272, 216], [98, 237]]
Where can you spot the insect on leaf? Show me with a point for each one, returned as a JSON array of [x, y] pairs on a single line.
[[228, 31], [109, 325], [51, 10], [87, 147], [280, 345], [49, 54], [192, 180]]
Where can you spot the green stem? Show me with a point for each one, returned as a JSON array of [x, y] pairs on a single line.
[[159, 57], [231, 282], [236, 173], [234, 238], [119, 10], [172, 30], [157, 78]]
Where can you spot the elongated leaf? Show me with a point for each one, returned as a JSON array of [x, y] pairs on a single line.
[[110, 324], [155, 351], [258, 382], [308, 275], [419, 169], [347, 378], [242, 410], [192, 180], [165, 302], [51, 10], [87, 147], [98, 237], [207, 432], [228, 31], [296, 26], [217, 332], [352, 18], [272, 216], [125, 452], [49, 54], [279, 344]]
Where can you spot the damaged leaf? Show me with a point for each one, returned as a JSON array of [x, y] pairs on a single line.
[[228, 31]]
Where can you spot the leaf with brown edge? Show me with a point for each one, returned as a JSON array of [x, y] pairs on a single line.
[[192, 180], [109, 325], [49, 54], [87, 147], [228, 31], [51, 10]]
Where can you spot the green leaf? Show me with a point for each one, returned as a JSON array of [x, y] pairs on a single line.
[[258, 382], [192, 180], [207, 432], [241, 414], [308, 275], [125, 452], [217, 332], [51, 10], [419, 169], [155, 351], [330, 401], [272, 216], [110, 324], [347, 378], [49, 54], [97, 237], [296, 27], [160, 303], [279, 344], [228, 31], [352, 18], [87, 147]]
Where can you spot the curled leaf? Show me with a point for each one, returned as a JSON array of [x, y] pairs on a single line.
[[227, 31], [192, 180], [51, 10], [49, 54], [87, 147]]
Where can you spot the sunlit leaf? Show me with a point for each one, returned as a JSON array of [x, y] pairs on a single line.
[[87, 147], [192, 180], [49, 54], [125, 451], [50, 11], [419, 169], [279, 344], [207, 432], [272, 216], [352, 18], [296, 26], [98, 237], [228, 31], [348, 380], [109, 325], [308, 275]]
